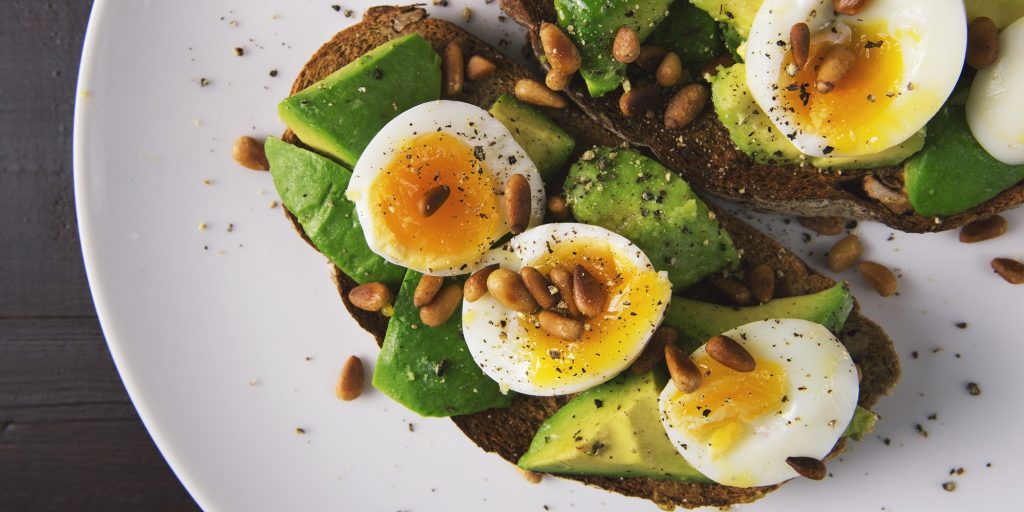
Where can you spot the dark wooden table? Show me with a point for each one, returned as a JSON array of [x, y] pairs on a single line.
[[69, 437]]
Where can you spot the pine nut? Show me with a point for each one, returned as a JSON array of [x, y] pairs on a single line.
[[557, 81], [762, 283], [1009, 269], [561, 327], [476, 285], [530, 476], [834, 66], [370, 296], [536, 93], [426, 290], [808, 467], [518, 203], [562, 280], [844, 254], [730, 353], [891, 199], [982, 43], [562, 54], [558, 209], [654, 352], [684, 372], [686, 105], [539, 287], [432, 200], [454, 68], [639, 99], [479, 68], [849, 7], [351, 379], [508, 288], [626, 47], [984, 229], [670, 71], [737, 293], [827, 226], [590, 294], [441, 309], [800, 43], [249, 153], [879, 277]]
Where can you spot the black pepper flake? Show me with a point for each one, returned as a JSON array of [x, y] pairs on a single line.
[[598, 403], [973, 388], [828, 150], [914, 354], [273, 73], [239, 51], [412, 428], [478, 153], [961, 325], [336, 7], [949, 486], [920, 430], [203, 82], [441, 368], [596, 448], [706, 412], [378, 73], [872, 44], [512, 160]]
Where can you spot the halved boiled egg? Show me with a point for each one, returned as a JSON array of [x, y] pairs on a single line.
[[738, 428], [455, 157], [513, 349], [995, 108], [906, 59]]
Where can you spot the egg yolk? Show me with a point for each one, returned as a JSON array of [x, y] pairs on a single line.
[[609, 339], [852, 115], [727, 401], [468, 222]]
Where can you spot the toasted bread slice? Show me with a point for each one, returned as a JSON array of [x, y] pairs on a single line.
[[704, 155], [508, 432]]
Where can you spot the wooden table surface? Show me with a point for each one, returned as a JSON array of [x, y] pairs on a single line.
[[70, 438]]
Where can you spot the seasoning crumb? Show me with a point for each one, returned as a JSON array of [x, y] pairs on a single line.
[[920, 430], [253, 381], [412, 428], [207, 182], [887, 441], [273, 204], [467, 14], [336, 7], [914, 354], [231, 227], [300, 431], [202, 226], [973, 388], [933, 416], [949, 486], [203, 82], [239, 51], [961, 325], [273, 73]]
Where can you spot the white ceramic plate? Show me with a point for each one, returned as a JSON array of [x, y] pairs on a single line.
[[229, 341]]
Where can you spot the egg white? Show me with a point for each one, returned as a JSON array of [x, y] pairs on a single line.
[[995, 107], [932, 35], [822, 392], [468, 123], [493, 333]]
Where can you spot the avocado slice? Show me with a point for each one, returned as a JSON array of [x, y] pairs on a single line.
[[547, 144], [611, 430], [429, 369], [692, 34], [1003, 12], [339, 115], [640, 199], [755, 134], [592, 25], [697, 321], [312, 187], [954, 173]]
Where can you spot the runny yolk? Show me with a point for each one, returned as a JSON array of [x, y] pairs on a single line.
[[465, 226], [635, 300], [727, 401], [853, 116]]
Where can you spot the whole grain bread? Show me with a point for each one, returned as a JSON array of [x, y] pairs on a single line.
[[508, 431], [704, 155]]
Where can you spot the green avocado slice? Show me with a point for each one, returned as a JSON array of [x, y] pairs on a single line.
[[429, 369], [312, 187], [692, 34], [697, 321], [546, 143]]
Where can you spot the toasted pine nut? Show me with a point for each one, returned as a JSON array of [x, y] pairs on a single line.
[[454, 69], [655, 349], [558, 209], [845, 253], [800, 43], [518, 203], [479, 68], [539, 287], [626, 47], [684, 372], [762, 283], [476, 285], [536, 93], [650, 57], [639, 99], [426, 290], [891, 199], [370, 296], [982, 43], [834, 66], [686, 105], [879, 277], [249, 153], [351, 380], [561, 327], [984, 229], [530, 476], [590, 294], [432, 200], [670, 71], [849, 7], [441, 309], [808, 467], [737, 293], [562, 54], [508, 288], [557, 81], [730, 353], [1009, 269], [562, 280], [827, 226]]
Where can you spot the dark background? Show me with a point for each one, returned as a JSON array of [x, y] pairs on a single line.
[[69, 436]]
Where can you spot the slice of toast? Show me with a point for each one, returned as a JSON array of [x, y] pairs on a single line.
[[508, 432], [705, 156]]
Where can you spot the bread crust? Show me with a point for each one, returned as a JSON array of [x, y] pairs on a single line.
[[704, 155], [508, 432]]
